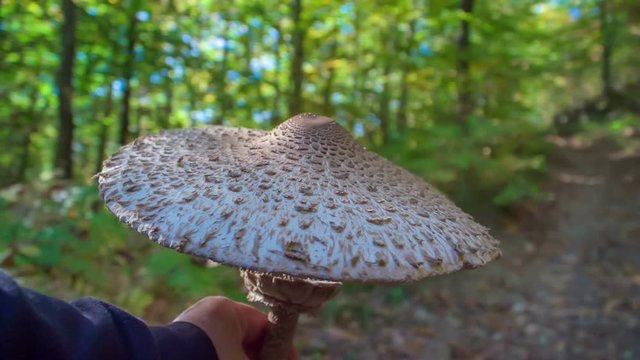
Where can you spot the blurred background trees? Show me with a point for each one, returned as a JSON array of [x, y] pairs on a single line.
[[461, 92], [412, 77]]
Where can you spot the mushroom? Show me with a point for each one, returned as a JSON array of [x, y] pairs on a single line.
[[298, 210]]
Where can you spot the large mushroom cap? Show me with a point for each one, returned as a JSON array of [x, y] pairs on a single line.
[[304, 199]]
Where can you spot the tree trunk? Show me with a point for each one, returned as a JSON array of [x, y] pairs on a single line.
[[193, 105], [222, 97], [385, 94], [261, 102], [465, 101], [104, 129], [296, 105], [128, 74], [327, 106], [2, 31], [23, 165], [249, 80], [139, 113], [168, 106], [275, 116], [385, 126], [358, 76], [607, 48], [404, 82], [64, 150]]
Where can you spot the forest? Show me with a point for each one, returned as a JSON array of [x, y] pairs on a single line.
[[492, 102]]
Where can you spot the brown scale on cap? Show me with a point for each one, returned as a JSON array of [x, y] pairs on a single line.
[[257, 200]]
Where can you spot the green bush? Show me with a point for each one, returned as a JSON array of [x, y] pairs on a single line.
[[61, 240]]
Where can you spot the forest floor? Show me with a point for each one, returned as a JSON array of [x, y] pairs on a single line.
[[567, 286]]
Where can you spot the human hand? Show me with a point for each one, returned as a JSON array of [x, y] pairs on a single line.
[[236, 330]]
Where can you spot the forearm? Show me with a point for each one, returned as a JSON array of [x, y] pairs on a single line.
[[36, 326]]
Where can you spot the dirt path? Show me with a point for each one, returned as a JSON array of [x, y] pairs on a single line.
[[567, 287], [583, 281]]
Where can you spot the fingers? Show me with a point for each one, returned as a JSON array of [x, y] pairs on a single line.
[[293, 355], [236, 330], [253, 323]]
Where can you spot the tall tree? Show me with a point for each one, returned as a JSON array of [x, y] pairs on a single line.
[[607, 47], [275, 114], [250, 82], [32, 113], [167, 109], [388, 41], [221, 77], [104, 128], [404, 79], [295, 100], [192, 95], [358, 72], [128, 75], [261, 102], [64, 151], [465, 101], [327, 92]]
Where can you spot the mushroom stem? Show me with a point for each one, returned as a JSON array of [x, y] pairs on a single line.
[[279, 339], [287, 296]]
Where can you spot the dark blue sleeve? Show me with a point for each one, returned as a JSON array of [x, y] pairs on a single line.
[[36, 326]]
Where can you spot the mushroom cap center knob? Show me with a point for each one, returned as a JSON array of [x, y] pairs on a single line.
[[315, 131], [311, 120]]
